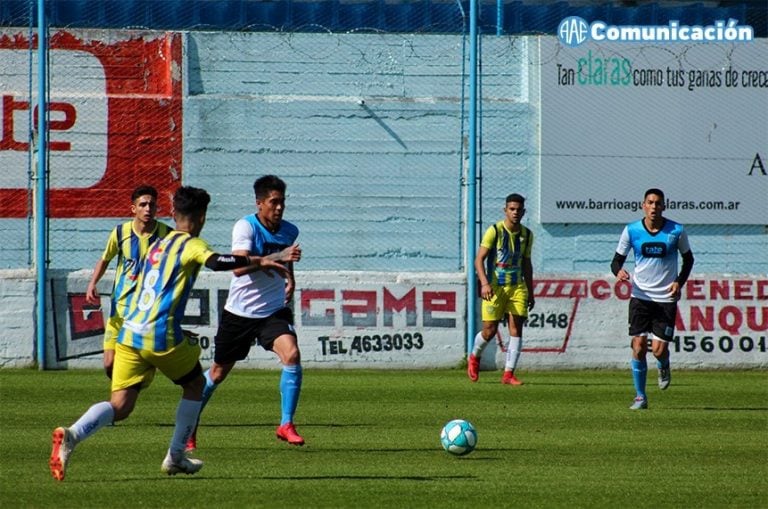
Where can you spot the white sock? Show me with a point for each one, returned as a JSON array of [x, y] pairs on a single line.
[[480, 344], [99, 415], [186, 419], [513, 353]]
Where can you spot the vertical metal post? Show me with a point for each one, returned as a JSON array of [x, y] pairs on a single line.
[[472, 179], [41, 247]]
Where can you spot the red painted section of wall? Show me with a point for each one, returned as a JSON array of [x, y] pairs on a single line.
[[144, 102]]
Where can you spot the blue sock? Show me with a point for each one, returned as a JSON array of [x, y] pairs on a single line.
[[290, 387], [208, 389], [663, 364], [639, 374]]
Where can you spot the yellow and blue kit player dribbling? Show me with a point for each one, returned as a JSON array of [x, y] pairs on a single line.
[[152, 338], [505, 274]]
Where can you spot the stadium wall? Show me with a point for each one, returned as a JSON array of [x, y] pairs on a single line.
[[401, 287], [409, 321]]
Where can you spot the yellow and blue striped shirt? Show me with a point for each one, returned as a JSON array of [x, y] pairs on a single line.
[[507, 250], [153, 320], [130, 249]]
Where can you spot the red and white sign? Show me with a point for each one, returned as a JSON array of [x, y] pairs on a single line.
[[115, 121]]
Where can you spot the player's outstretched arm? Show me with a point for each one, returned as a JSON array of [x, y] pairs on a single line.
[[220, 262]]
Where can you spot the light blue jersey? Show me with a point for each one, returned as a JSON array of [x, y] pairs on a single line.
[[655, 258], [261, 293]]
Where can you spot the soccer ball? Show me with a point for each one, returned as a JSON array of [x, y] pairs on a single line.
[[458, 437]]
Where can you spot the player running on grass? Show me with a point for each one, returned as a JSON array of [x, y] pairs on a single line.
[[151, 337], [129, 242], [256, 309], [507, 288], [656, 287]]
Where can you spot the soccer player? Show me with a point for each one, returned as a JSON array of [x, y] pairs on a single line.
[[506, 286], [152, 339], [129, 242], [256, 308], [656, 286]]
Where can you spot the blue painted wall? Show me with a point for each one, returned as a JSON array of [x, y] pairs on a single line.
[[375, 186]]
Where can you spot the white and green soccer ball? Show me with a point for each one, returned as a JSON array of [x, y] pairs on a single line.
[[458, 437]]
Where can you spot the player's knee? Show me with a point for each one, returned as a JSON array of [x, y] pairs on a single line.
[[660, 350], [639, 345], [122, 409], [489, 330], [218, 373], [292, 356]]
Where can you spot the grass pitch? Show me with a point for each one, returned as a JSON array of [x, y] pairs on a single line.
[[564, 439]]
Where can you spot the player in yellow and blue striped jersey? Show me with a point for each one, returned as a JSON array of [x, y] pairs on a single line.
[[505, 274], [152, 339], [128, 242]]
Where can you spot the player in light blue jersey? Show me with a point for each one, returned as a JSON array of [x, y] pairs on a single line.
[[656, 287], [257, 306], [152, 339]]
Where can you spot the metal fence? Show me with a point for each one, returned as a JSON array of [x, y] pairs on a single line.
[[360, 105]]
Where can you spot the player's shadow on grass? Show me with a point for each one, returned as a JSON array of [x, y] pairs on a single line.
[[272, 425], [574, 384], [720, 409], [342, 477]]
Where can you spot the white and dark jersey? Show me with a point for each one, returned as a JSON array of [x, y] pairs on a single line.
[[261, 293], [655, 258]]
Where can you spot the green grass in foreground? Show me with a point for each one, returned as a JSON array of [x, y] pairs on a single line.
[[564, 439]]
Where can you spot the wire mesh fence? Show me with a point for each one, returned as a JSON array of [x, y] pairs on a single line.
[[361, 106]]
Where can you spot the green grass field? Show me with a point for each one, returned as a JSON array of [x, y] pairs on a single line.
[[565, 439]]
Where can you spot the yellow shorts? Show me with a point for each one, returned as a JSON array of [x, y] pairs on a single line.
[[134, 366], [111, 329], [506, 300]]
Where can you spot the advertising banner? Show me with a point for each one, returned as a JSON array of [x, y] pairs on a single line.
[[395, 321], [115, 113], [620, 117]]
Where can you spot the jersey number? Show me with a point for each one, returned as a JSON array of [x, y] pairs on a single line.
[[148, 293]]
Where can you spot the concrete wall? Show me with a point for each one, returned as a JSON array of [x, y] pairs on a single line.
[[376, 188], [414, 320]]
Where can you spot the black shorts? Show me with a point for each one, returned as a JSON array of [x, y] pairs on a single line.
[[646, 316], [236, 334]]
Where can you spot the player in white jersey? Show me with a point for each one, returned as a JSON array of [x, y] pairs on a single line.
[[256, 309], [656, 287]]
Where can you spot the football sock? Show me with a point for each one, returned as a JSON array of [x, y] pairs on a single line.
[[186, 420], [639, 373], [480, 344], [513, 353], [663, 363], [99, 415], [290, 388], [208, 389]]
